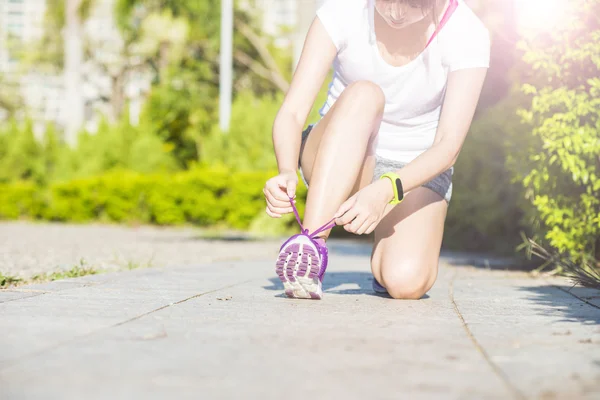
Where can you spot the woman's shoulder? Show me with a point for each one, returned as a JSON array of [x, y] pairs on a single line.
[[465, 40], [343, 8], [341, 18], [464, 23]]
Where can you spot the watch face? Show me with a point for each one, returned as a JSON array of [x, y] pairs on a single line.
[[399, 189]]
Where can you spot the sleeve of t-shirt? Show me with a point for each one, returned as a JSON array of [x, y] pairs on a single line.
[[470, 49], [331, 14]]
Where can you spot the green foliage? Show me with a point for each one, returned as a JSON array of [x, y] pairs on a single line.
[[182, 109], [8, 280], [10, 96], [75, 272], [562, 171], [121, 145], [486, 209], [248, 144], [20, 199], [21, 155], [183, 102], [200, 196], [27, 158]]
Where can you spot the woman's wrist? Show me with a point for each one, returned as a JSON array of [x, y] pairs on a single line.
[[284, 170], [385, 189]]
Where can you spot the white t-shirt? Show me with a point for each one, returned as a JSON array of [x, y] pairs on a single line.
[[414, 92]]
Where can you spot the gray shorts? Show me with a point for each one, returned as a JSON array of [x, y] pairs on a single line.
[[441, 184]]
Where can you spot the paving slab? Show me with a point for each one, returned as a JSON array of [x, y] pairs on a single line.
[[534, 333], [224, 331]]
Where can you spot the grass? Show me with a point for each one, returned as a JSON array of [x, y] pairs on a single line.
[[130, 264], [8, 280], [585, 273], [77, 271]]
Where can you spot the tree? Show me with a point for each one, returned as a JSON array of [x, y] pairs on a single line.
[[10, 98], [182, 102]]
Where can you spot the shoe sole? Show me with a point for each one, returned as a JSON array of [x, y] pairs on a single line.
[[298, 268]]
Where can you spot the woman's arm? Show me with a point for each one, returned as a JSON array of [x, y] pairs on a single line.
[[462, 95], [363, 211], [317, 57]]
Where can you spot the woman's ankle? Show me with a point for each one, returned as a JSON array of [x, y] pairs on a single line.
[[322, 237]]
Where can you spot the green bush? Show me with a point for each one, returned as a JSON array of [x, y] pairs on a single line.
[[562, 171], [486, 211], [121, 145], [248, 144], [21, 154], [200, 196], [20, 199]]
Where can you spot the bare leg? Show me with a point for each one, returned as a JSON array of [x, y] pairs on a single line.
[[338, 159], [407, 244]]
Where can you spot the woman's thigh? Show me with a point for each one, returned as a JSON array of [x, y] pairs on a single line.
[[351, 97], [407, 244]]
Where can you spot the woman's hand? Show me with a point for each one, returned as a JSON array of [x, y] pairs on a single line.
[[361, 213], [278, 191]]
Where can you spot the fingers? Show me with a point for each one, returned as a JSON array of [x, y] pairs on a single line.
[[279, 210], [345, 214], [276, 193], [356, 224], [371, 228], [274, 201], [276, 207], [291, 187], [366, 225], [272, 214]]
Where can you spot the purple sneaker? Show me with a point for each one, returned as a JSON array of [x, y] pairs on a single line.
[[377, 288], [302, 262]]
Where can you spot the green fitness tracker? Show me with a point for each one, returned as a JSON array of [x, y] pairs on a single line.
[[396, 185]]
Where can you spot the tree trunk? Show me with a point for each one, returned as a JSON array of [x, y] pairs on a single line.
[[74, 101], [117, 95]]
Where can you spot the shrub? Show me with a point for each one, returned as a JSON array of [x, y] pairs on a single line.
[[20, 199], [200, 196], [21, 154], [248, 144], [486, 211], [562, 170], [121, 145]]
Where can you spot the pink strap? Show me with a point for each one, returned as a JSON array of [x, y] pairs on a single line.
[[325, 227], [449, 11]]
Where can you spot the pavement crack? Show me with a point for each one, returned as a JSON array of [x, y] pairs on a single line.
[[513, 389], [176, 303], [11, 363]]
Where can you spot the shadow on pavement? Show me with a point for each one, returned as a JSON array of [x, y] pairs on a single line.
[[362, 282], [571, 308], [338, 282], [487, 261]]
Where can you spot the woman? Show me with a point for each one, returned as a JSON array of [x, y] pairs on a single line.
[[407, 79]]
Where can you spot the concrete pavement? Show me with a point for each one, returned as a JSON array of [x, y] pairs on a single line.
[[224, 331]]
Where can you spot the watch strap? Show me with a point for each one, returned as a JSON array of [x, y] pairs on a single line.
[[396, 186]]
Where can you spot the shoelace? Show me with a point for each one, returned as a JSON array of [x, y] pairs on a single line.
[[325, 227]]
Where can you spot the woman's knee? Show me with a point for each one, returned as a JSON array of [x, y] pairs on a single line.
[[365, 95], [408, 280]]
